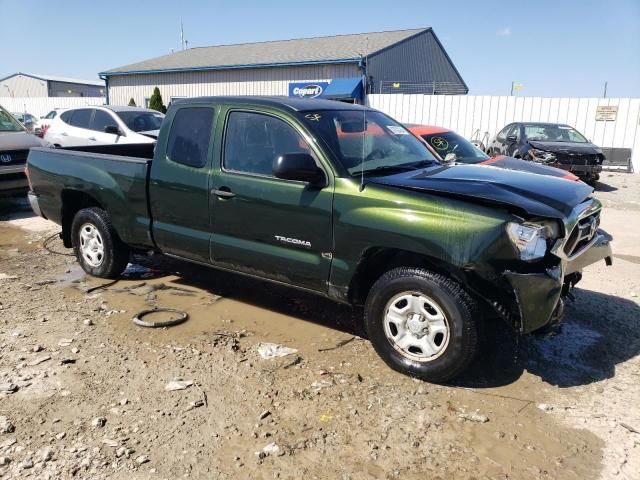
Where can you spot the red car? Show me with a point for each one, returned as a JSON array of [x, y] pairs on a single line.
[[447, 145]]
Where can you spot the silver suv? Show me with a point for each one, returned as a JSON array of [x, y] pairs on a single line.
[[15, 143]]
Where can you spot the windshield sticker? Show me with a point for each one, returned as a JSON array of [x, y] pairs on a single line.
[[314, 117], [439, 143], [397, 130]]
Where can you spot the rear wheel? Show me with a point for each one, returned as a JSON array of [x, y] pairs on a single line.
[[96, 244], [422, 324]]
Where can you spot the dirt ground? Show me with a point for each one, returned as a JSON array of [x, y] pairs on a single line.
[[84, 392]]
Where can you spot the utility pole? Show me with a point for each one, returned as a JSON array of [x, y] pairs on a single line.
[[181, 35], [604, 94], [511, 94]]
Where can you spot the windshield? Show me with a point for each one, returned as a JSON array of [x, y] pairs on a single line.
[[383, 145], [445, 143], [553, 133], [141, 121], [8, 123]]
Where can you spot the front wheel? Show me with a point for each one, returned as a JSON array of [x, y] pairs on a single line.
[[422, 323], [96, 244]]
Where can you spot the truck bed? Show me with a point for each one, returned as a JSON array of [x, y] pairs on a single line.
[[114, 181]]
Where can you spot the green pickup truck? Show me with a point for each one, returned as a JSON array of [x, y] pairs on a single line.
[[336, 199]]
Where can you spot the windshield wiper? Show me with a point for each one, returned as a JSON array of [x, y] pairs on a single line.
[[404, 167]]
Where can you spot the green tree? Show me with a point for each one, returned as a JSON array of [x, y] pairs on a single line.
[[132, 102], [155, 102]]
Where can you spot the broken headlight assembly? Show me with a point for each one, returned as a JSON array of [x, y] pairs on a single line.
[[541, 155], [532, 239]]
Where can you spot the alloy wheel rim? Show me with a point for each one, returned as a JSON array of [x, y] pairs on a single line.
[[416, 326], [91, 245]]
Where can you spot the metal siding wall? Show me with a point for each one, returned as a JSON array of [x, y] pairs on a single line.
[[23, 86], [43, 105], [470, 114], [258, 81], [417, 60]]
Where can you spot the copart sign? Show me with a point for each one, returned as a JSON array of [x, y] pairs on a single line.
[[307, 90]]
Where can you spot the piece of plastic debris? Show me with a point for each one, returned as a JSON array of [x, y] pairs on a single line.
[[474, 417], [178, 385], [273, 350]]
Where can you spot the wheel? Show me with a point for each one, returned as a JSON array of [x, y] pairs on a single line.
[[96, 244], [422, 323]]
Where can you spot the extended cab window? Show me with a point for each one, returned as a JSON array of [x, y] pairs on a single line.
[[189, 137], [254, 140]]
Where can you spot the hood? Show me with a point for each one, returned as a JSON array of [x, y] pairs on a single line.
[[511, 163], [19, 141], [537, 195], [566, 147]]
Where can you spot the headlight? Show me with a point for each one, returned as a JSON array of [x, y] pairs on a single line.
[[530, 239], [541, 155]]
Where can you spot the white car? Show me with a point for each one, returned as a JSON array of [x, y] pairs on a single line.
[[103, 125], [43, 122]]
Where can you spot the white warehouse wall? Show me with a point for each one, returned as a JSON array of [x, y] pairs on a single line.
[[43, 105], [478, 116], [246, 81]]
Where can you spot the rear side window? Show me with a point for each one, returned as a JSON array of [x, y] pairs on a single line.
[[102, 119], [51, 114], [66, 116], [81, 118], [189, 137]]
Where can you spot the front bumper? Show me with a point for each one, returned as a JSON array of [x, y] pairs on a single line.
[[579, 169], [538, 295], [33, 201]]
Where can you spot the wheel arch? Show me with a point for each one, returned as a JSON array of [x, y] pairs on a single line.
[[376, 261], [72, 202]]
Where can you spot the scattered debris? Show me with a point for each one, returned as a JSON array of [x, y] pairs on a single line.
[[4, 276], [629, 427], [178, 384], [5, 425], [110, 443], [181, 317], [545, 407], [99, 422], [88, 322], [264, 415], [338, 345], [271, 449], [273, 350], [65, 342], [8, 388], [142, 459], [474, 417], [37, 348], [39, 360]]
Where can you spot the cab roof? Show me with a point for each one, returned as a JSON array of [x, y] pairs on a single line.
[[425, 129], [288, 103]]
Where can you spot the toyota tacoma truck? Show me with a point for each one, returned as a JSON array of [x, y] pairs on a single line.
[[336, 199]]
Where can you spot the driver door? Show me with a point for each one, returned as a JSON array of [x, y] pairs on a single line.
[[262, 225]]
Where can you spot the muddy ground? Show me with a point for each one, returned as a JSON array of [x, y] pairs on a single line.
[[83, 391]]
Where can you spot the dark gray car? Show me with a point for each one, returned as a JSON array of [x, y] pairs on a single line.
[[15, 143]]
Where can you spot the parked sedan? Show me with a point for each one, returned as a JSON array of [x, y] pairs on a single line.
[[554, 144], [451, 147], [104, 125]]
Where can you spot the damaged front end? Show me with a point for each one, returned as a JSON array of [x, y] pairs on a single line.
[[552, 265]]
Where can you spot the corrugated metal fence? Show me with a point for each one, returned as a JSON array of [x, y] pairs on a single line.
[[484, 116], [39, 106]]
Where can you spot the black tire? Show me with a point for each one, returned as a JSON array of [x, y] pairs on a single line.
[[115, 255], [459, 308]]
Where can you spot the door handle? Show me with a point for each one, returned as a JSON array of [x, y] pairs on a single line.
[[92, 138], [223, 192], [64, 134]]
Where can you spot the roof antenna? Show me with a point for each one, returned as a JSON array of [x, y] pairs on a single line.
[[364, 114]]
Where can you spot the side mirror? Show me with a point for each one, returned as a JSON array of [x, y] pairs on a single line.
[[113, 129], [450, 158], [298, 166], [512, 138]]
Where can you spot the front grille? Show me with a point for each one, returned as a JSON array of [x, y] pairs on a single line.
[[5, 177], [569, 159], [13, 157], [582, 234]]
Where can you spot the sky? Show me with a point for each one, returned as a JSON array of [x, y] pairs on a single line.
[[551, 48]]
